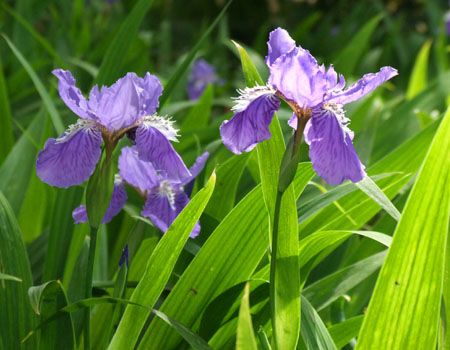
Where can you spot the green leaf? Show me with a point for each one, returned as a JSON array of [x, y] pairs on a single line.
[[61, 230], [193, 339], [407, 296], [350, 56], [245, 338], [369, 187], [159, 268], [228, 175], [323, 292], [345, 331], [115, 54], [219, 266], [16, 317], [173, 81], [418, 79], [6, 119], [47, 100], [287, 280], [6, 277], [47, 299], [314, 332], [17, 169], [200, 114]]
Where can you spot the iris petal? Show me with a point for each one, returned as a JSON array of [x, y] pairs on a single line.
[[154, 147], [279, 44], [118, 200], [363, 86], [70, 160], [70, 94], [135, 171], [299, 78], [250, 126], [331, 149]]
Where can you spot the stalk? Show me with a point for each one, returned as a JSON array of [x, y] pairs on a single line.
[[88, 287]]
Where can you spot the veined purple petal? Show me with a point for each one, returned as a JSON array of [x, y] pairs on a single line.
[[330, 147], [149, 90], [135, 171], [279, 44], [250, 125], [118, 200], [162, 211], [70, 160], [70, 94], [118, 106], [196, 168], [153, 146], [299, 78], [201, 75], [362, 87]]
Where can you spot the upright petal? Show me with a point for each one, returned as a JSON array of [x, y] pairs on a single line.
[[279, 43], [250, 125], [149, 90], [362, 87], [162, 213], [299, 78], [330, 147], [70, 160], [70, 94], [118, 200], [118, 106], [153, 146], [135, 171]]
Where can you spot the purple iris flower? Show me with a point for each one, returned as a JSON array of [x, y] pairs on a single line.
[[202, 74], [315, 94], [165, 198], [127, 107]]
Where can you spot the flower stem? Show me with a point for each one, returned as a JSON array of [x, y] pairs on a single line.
[[88, 287], [273, 264]]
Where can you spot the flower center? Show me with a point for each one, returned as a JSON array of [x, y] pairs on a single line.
[[81, 124]]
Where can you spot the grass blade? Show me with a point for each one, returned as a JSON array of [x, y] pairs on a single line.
[[6, 119], [407, 296], [16, 316], [419, 75], [159, 268], [245, 338]]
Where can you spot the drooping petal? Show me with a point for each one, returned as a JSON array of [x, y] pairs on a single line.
[[250, 125], [330, 147], [70, 94], [299, 78], [362, 87], [196, 168], [118, 200], [201, 75], [161, 212], [153, 146], [135, 171], [70, 160], [279, 44]]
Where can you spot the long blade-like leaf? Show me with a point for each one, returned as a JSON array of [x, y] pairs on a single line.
[[407, 296]]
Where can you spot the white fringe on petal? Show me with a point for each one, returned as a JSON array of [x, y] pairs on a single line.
[[248, 95]]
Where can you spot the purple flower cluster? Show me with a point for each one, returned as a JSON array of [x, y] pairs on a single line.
[[152, 166], [316, 95]]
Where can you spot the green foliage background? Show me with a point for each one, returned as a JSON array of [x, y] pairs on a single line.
[[213, 291]]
